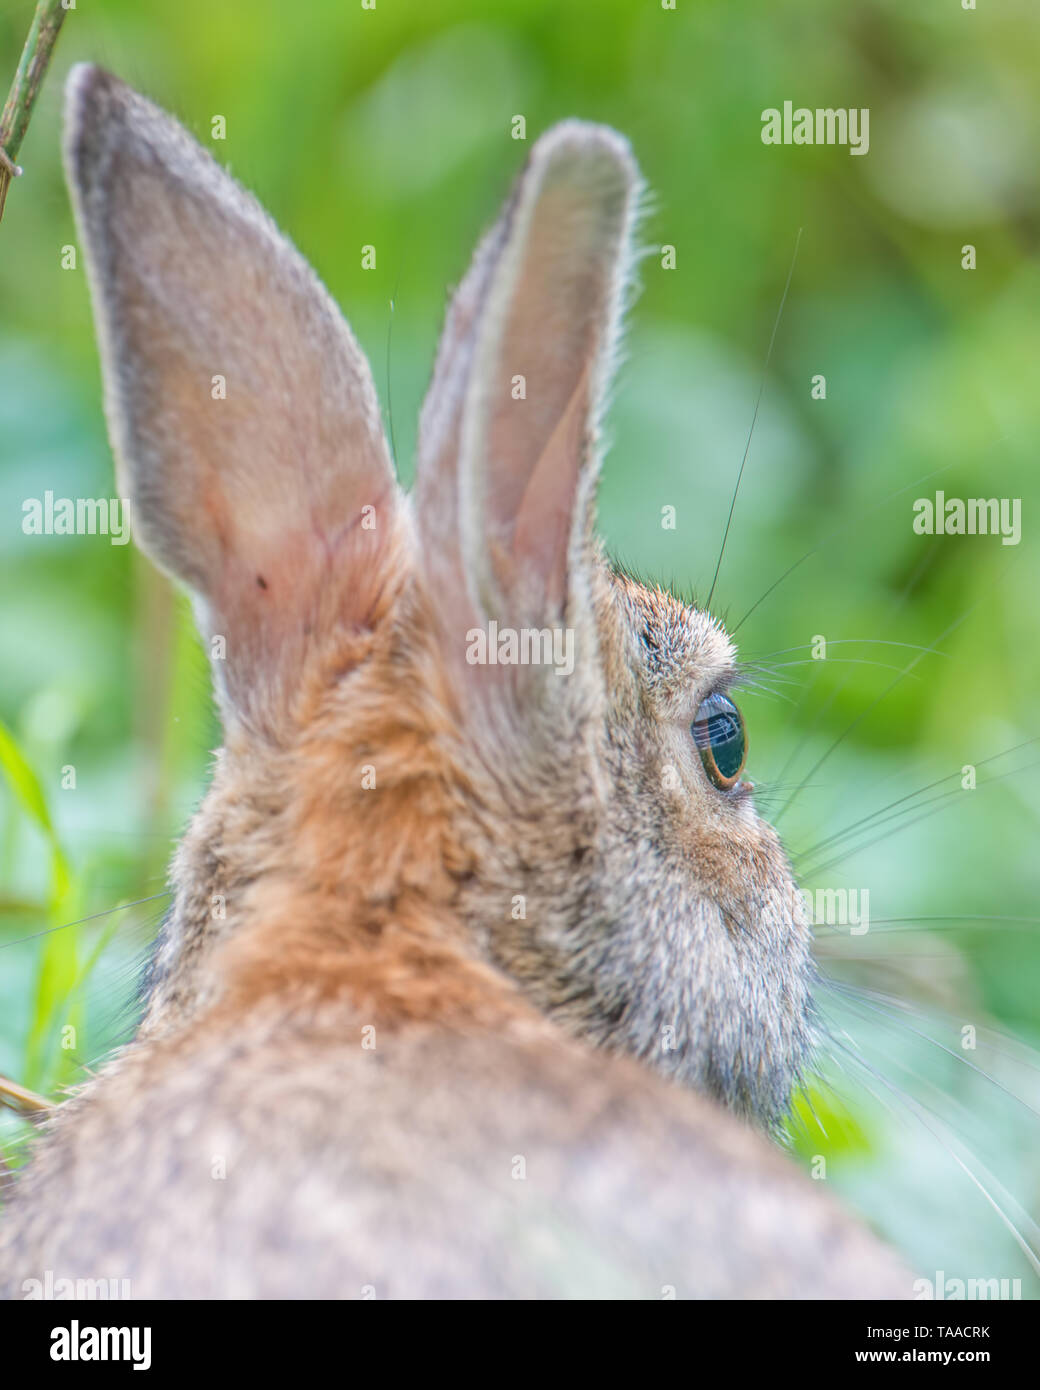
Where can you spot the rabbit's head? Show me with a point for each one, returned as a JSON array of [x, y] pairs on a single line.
[[468, 767]]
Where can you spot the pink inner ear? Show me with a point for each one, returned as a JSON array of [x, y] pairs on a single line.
[[507, 464], [546, 512], [552, 331], [251, 494], [291, 577]]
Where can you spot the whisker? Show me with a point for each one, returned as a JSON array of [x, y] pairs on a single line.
[[909, 796], [919, 1111], [93, 917], [900, 600], [847, 641], [906, 821], [957, 918], [837, 661], [754, 418], [864, 714], [856, 524], [895, 1008]]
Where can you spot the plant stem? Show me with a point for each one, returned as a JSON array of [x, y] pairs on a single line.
[[36, 54], [22, 1100]]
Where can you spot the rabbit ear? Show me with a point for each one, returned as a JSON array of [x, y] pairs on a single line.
[[508, 454], [242, 413]]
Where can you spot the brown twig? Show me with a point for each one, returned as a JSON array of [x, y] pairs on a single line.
[[14, 120], [23, 1101]]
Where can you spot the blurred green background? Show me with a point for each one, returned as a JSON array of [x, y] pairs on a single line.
[[393, 127]]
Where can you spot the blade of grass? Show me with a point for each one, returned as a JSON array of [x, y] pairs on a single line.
[[58, 969]]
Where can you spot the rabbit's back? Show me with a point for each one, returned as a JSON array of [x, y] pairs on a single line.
[[276, 1161]]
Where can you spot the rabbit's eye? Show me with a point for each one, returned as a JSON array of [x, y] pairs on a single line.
[[718, 731]]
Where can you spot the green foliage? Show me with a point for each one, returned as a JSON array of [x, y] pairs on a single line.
[[58, 965]]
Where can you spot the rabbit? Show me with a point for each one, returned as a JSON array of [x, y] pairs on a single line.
[[483, 977]]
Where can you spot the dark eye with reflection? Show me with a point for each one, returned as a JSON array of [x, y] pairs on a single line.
[[721, 739]]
